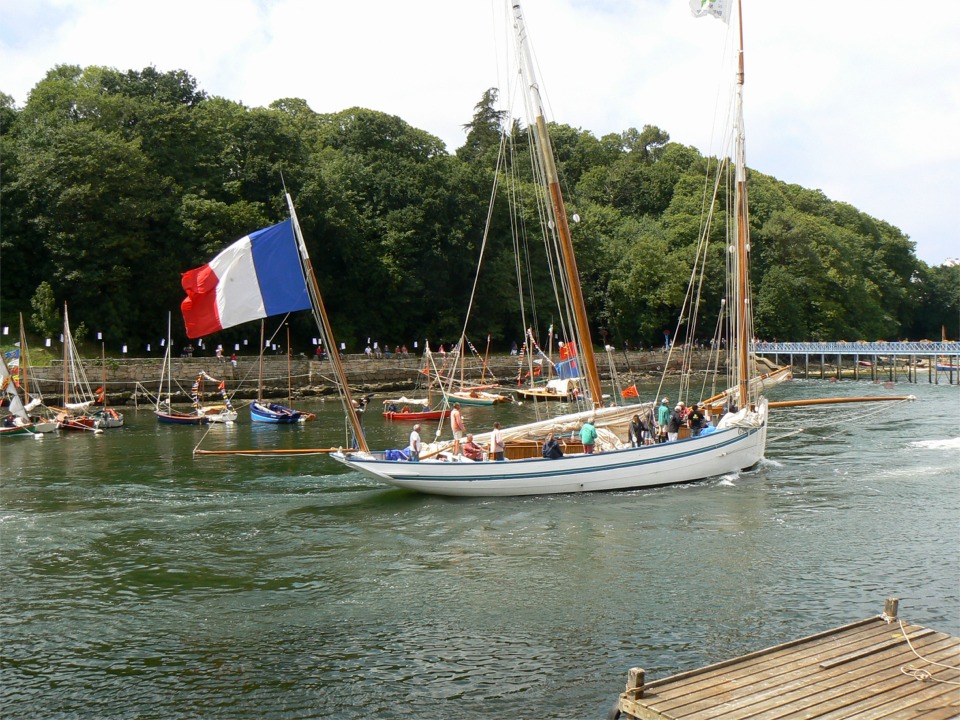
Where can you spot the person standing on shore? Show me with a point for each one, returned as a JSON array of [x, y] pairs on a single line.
[[456, 424]]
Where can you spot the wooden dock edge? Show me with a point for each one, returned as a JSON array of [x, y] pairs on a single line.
[[872, 643]]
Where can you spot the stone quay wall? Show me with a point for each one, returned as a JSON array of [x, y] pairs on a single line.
[[137, 380]]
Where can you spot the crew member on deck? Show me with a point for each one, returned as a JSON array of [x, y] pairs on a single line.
[[471, 450], [456, 424], [552, 449], [496, 443], [588, 436], [415, 443]]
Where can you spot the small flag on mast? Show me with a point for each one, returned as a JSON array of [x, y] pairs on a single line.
[[716, 8], [630, 392]]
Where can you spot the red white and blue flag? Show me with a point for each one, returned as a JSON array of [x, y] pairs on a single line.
[[258, 276]]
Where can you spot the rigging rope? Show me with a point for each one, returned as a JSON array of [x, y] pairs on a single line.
[[844, 421]]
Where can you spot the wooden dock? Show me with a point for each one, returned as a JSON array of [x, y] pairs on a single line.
[[881, 667]]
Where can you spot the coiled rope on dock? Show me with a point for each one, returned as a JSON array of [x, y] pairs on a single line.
[[920, 673]]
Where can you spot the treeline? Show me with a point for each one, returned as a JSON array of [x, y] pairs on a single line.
[[116, 182]]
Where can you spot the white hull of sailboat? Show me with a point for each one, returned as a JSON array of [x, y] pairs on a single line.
[[108, 418], [219, 415], [475, 397], [44, 426], [720, 452]]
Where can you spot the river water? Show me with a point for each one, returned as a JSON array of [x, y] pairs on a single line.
[[139, 582]]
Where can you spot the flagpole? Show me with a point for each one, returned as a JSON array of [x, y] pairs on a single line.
[[323, 325]]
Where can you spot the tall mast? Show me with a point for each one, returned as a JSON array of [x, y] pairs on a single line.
[[323, 324], [103, 374], [66, 341], [742, 326], [168, 362], [260, 366], [23, 362], [289, 371], [486, 356], [588, 363]]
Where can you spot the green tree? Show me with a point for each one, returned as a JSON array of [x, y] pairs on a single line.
[[45, 318], [483, 131]]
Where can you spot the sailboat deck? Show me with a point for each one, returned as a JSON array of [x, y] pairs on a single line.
[[864, 670]]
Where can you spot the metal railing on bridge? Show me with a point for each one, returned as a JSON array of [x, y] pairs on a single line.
[[880, 348], [871, 358]]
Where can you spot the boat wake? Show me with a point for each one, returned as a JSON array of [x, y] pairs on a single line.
[[945, 444]]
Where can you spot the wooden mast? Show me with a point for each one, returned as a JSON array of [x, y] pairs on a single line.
[[741, 301], [260, 370], [289, 372], [486, 357], [588, 363], [168, 363], [103, 376], [323, 322], [23, 362], [66, 340]]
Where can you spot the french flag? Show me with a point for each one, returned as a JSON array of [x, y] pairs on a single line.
[[258, 276]]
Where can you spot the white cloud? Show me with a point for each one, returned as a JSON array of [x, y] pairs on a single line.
[[859, 98]]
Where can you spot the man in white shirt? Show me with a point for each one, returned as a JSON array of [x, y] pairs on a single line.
[[415, 444]]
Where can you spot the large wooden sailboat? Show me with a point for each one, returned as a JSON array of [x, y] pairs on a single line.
[[738, 439]]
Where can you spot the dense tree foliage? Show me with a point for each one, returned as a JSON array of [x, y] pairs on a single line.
[[115, 182]]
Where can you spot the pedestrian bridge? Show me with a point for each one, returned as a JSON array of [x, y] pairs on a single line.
[[872, 359], [848, 349]]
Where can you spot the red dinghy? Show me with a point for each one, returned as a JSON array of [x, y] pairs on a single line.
[[413, 410]]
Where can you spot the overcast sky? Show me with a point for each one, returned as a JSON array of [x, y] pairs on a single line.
[[857, 98]]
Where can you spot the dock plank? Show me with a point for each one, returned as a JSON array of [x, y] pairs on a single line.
[[768, 702], [759, 678], [853, 671]]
